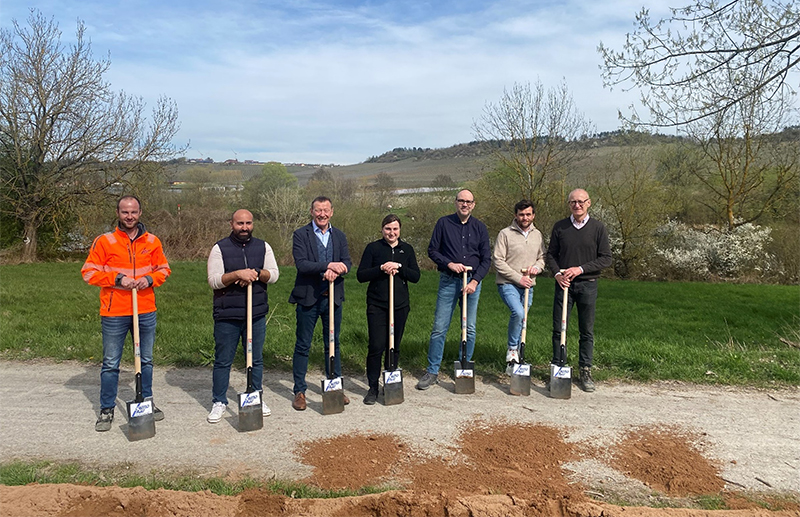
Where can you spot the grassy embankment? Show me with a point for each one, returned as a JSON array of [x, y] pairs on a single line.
[[704, 333]]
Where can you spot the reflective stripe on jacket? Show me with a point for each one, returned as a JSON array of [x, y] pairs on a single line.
[[114, 253]]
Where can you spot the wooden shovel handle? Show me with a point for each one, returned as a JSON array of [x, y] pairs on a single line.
[[249, 325], [391, 312], [137, 352], [331, 330], [525, 312], [464, 304]]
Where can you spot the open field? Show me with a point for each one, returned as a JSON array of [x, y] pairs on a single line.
[[645, 331]]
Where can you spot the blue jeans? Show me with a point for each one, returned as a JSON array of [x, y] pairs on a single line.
[[514, 296], [448, 296], [115, 329], [227, 334], [306, 321]]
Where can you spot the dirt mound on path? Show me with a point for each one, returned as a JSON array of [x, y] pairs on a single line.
[[664, 459], [493, 469]]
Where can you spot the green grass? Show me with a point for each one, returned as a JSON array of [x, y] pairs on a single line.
[[22, 473], [644, 331]]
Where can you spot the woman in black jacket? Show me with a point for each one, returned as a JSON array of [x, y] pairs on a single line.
[[381, 258]]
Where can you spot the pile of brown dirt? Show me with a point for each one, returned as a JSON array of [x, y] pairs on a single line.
[[507, 458], [664, 459], [353, 461]]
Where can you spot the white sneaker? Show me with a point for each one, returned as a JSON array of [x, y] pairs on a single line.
[[512, 356], [265, 410], [216, 412]]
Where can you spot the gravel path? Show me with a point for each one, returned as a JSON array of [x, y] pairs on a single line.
[[48, 412]]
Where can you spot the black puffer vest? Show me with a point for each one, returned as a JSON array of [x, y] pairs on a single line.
[[230, 303]]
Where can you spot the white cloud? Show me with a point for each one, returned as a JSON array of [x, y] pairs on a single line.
[[305, 80]]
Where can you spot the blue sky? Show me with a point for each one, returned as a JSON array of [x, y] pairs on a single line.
[[340, 81]]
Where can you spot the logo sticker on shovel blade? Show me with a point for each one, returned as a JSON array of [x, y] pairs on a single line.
[[248, 399], [333, 384], [141, 408], [392, 377]]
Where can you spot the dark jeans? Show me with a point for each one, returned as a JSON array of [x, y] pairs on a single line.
[[306, 321], [227, 334], [582, 294], [378, 323]]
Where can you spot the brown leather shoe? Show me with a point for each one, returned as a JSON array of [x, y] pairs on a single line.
[[346, 400], [299, 403]]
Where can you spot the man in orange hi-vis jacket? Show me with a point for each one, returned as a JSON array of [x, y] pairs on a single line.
[[118, 262]]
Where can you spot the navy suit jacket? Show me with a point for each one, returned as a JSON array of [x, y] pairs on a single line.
[[309, 284]]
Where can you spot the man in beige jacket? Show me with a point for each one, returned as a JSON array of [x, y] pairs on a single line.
[[518, 247]]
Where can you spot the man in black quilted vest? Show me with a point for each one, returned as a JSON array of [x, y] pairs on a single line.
[[235, 262]]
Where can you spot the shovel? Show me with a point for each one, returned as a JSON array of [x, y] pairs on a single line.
[[464, 370], [560, 373], [250, 415], [393, 376], [141, 424], [332, 389], [521, 372]]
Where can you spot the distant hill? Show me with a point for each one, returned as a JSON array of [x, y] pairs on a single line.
[[417, 166]]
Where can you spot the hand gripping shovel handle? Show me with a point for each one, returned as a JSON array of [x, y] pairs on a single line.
[[464, 317], [137, 350], [249, 347], [331, 332]]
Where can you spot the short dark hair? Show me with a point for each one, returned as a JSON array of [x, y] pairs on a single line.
[[321, 199], [390, 219], [523, 204], [129, 196]]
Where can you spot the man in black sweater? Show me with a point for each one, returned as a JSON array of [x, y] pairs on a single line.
[[578, 250]]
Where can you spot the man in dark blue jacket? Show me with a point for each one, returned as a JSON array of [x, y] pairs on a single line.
[[235, 262], [458, 241], [320, 255]]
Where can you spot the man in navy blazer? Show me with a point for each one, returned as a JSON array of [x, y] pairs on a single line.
[[320, 255]]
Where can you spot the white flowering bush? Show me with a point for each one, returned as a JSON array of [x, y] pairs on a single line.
[[690, 252]]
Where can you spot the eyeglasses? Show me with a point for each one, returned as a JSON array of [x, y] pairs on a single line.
[[466, 201], [579, 202]]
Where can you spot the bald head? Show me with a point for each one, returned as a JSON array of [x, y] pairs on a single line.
[[242, 225]]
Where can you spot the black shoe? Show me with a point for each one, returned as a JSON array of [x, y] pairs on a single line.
[[104, 422], [371, 397], [587, 384], [158, 415]]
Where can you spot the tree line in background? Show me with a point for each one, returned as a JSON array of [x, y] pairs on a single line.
[[721, 201]]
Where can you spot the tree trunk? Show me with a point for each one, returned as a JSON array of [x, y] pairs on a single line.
[[30, 241]]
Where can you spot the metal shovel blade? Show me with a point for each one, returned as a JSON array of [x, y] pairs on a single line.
[[465, 377], [141, 424], [250, 416], [332, 396], [560, 381], [393, 387], [521, 379]]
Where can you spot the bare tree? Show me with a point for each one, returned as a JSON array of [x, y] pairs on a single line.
[[284, 208], [533, 135], [384, 187], [632, 203], [66, 138], [688, 66], [748, 170]]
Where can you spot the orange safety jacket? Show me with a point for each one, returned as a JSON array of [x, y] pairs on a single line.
[[115, 253]]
